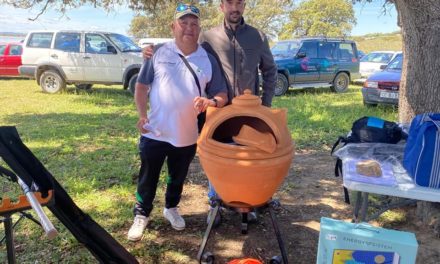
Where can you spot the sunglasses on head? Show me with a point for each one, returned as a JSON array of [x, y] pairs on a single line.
[[182, 7]]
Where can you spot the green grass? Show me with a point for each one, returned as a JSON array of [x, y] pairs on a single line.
[[316, 117], [373, 42], [88, 140]]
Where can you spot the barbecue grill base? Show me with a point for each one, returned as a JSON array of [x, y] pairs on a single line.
[[208, 258]]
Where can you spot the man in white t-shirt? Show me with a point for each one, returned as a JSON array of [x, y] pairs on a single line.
[[180, 81]]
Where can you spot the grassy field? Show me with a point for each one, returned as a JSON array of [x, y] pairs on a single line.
[[87, 140], [373, 42]]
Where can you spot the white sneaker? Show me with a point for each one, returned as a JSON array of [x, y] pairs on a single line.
[[137, 228], [172, 215]]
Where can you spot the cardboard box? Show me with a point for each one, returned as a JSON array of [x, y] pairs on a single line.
[[341, 243]]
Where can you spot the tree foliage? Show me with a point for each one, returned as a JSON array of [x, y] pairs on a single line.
[[268, 15], [156, 23], [320, 18], [262, 14]]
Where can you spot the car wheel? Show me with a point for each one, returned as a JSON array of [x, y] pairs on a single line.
[[340, 83], [132, 83], [282, 84], [52, 82], [84, 86]]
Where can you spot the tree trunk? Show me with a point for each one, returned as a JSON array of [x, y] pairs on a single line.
[[420, 84]]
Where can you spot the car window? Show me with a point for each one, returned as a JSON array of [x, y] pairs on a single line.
[[327, 50], [379, 57], [310, 48], [40, 40], [285, 48], [2, 49], [96, 43], [346, 52], [124, 43], [67, 41], [15, 50], [396, 63]]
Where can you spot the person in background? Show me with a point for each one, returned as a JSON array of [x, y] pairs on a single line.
[[241, 50], [169, 130]]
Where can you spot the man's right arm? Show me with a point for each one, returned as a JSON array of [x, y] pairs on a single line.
[[141, 98], [142, 88]]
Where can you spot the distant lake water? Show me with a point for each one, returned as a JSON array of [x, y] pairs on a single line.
[[11, 38]]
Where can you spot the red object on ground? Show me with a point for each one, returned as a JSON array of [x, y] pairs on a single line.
[[245, 261]]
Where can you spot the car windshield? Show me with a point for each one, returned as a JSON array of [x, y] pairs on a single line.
[[124, 43], [285, 48], [396, 63], [380, 57]]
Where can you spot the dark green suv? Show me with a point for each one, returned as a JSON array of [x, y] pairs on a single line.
[[315, 62]]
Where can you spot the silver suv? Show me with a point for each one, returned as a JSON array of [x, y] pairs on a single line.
[[82, 58]]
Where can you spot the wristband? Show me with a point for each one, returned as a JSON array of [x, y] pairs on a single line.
[[215, 101]]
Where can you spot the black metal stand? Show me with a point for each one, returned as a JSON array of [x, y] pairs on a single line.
[[360, 210], [208, 258], [9, 232]]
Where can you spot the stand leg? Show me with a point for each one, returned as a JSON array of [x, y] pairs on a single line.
[[207, 233], [278, 234], [9, 235], [28, 216], [357, 206], [244, 223], [22, 216], [364, 208]]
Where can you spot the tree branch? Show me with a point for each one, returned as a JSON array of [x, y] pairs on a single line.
[[41, 11]]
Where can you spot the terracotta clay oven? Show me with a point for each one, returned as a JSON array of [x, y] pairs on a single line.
[[246, 150]]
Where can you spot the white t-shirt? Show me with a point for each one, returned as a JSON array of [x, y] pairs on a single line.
[[173, 89]]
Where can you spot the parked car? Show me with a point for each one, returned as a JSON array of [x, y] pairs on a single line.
[[360, 54], [315, 62], [82, 58], [10, 59], [372, 62], [383, 87]]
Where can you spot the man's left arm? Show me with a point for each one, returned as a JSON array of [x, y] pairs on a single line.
[[268, 70]]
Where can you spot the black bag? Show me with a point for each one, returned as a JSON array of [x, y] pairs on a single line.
[[372, 129], [369, 129]]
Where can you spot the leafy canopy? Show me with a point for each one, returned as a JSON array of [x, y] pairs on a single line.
[[331, 18], [279, 18], [262, 14]]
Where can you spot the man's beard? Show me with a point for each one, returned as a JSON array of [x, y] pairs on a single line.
[[234, 19]]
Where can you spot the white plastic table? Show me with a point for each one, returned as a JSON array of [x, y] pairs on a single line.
[[405, 187]]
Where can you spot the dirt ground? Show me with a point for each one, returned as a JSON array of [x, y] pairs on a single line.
[[309, 192]]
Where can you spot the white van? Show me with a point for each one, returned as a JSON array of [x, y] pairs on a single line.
[[154, 41]]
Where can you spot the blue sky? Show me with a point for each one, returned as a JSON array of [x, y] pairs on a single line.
[[369, 19]]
